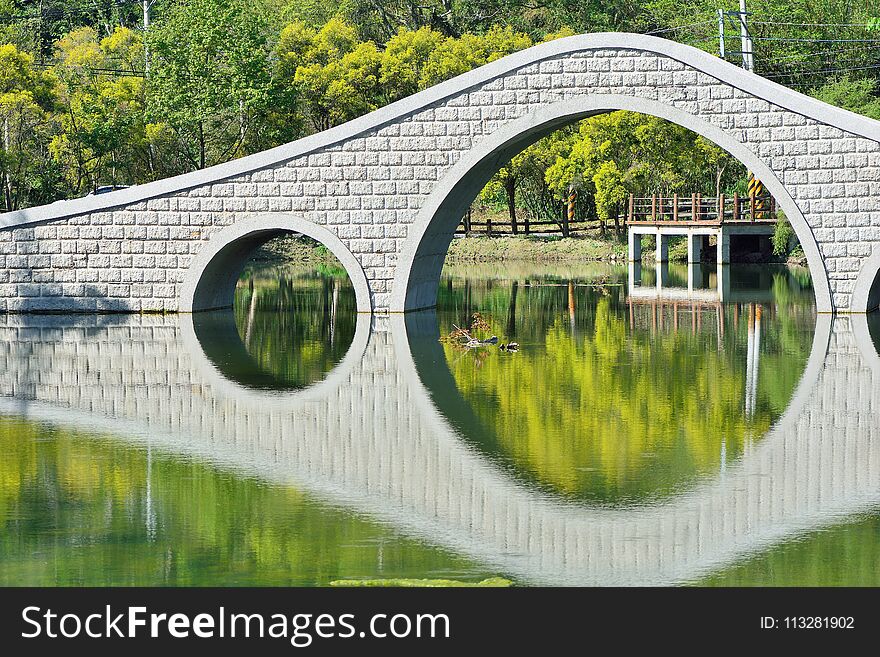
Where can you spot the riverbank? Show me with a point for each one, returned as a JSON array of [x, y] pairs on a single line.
[[294, 250], [576, 249], [537, 249], [522, 248]]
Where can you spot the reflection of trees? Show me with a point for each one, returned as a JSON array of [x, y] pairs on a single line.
[[846, 555], [73, 510], [601, 407], [295, 325]]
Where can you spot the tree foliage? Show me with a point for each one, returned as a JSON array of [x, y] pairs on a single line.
[[227, 78], [210, 79]]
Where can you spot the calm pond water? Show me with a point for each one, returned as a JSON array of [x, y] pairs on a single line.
[[681, 426]]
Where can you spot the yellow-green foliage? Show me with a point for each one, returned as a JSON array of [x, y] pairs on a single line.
[[74, 511], [580, 414], [492, 582]]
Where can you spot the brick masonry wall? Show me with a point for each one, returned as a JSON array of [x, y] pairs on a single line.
[[369, 189]]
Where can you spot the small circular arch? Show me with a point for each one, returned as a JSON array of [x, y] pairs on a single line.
[[209, 281], [421, 259]]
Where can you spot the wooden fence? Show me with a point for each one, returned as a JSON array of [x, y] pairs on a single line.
[[524, 226]]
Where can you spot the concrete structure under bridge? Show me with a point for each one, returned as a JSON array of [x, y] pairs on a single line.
[[697, 236]]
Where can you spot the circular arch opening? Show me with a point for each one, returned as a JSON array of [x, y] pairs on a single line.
[[421, 260], [209, 283], [277, 318], [543, 412]]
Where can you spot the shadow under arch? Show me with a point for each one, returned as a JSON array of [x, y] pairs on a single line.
[[418, 271], [209, 281], [866, 291]]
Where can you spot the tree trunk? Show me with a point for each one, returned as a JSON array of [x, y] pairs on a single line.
[[510, 190], [7, 183], [719, 172], [201, 145], [565, 205], [511, 311]]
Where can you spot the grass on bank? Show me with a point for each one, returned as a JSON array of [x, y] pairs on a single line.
[[300, 250]]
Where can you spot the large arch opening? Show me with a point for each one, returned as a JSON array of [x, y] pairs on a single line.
[[421, 261], [611, 399], [274, 309]]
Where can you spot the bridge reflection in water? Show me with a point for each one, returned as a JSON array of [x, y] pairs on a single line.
[[370, 437], [689, 291]]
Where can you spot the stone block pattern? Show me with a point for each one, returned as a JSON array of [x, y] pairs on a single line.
[[369, 189]]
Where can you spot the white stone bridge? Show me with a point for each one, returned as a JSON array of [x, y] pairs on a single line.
[[385, 192], [370, 437]]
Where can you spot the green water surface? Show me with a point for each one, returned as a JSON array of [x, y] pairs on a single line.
[[607, 402]]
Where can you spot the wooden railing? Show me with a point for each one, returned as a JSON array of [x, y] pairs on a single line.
[[656, 208], [499, 227], [697, 208]]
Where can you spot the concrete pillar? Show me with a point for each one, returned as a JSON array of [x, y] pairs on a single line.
[[723, 256], [635, 246], [694, 248], [722, 277], [664, 277], [662, 247], [635, 275]]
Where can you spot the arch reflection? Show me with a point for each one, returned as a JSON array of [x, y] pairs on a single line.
[[288, 328], [616, 398]]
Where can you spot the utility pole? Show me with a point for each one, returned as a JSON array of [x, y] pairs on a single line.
[[747, 52], [721, 33], [147, 4]]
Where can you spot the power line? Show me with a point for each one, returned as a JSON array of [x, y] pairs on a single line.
[[820, 53], [775, 23], [679, 27], [797, 40], [98, 69], [806, 72]]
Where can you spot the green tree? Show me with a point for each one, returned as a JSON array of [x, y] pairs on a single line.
[[855, 95], [716, 157], [611, 193], [335, 75], [642, 155], [456, 56], [26, 101], [101, 136], [404, 59], [210, 79]]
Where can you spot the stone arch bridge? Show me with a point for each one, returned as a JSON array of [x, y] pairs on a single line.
[[384, 192]]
